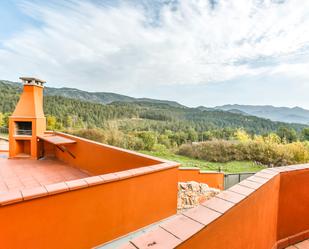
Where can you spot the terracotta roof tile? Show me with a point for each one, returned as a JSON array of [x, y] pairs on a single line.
[[26, 174]]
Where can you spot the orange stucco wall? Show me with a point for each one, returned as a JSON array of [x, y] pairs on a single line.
[[251, 224], [88, 217], [212, 179], [98, 158], [274, 216], [293, 203]]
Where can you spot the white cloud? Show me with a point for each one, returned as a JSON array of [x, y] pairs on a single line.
[[113, 48]]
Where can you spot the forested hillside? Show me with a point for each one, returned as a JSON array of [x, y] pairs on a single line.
[[95, 97], [156, 125], [141, 115]]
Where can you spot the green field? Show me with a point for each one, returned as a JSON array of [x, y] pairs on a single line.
[[229, 167]]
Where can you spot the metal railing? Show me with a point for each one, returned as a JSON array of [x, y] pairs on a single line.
[[4, 133], [232, 179], [23, 132], [4, 130]]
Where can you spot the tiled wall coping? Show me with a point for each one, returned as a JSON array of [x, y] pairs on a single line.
[[175, 231], [210, 172], [200, 170], [14, 197], [188, 168]]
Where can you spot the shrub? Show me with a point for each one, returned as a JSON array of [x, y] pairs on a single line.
[[267, 153], [92, 134]]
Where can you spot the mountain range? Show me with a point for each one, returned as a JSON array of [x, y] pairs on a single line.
[[95, 97], [282, 114]]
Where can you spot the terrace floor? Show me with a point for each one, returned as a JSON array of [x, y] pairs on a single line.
[[19, 174], [302, 245]]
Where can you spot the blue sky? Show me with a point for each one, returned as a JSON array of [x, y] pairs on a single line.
[[13, 20], [198, 52]]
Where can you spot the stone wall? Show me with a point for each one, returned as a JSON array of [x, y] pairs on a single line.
[[191, 194]]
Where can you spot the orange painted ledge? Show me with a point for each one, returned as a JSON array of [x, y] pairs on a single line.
[[174, 232]]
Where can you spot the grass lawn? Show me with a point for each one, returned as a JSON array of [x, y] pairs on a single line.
[[229, 167]]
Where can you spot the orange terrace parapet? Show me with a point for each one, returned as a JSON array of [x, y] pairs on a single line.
[[267, 210], [11, 197], [80, 193], [107, 199]]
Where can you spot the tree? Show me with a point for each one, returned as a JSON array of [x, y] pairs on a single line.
[[5, 119], [149, 139], [180, 137], [192, 135], [272, 138], [305, 134], [51, 122], [164, 140], [69, 121], [242, 135], [287, 135]]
